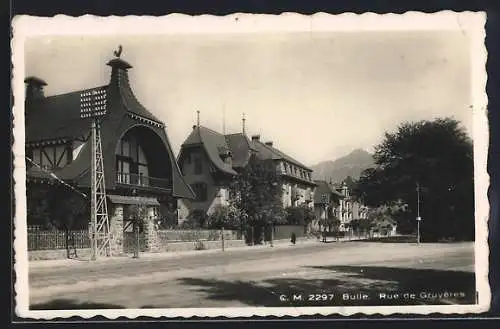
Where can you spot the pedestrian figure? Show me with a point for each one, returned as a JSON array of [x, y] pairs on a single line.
[[324, 236], [294, 238]]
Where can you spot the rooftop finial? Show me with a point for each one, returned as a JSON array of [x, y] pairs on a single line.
[[198, 118], [243, 119], [118, 52]]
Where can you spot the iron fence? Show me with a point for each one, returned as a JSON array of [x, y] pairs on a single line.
[[49, 240]]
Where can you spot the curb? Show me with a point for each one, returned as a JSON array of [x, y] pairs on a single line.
[[40, 264]]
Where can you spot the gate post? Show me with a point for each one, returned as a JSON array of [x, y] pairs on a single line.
[[150, 231], [116, 230]]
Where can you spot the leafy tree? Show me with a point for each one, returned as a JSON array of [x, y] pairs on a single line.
[[228, 217], [436, 155], [57, 208], [299, 215], [258, 191], [38, 207], [196, 219]]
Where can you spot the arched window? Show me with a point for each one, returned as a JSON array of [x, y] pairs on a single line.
[[131, 162]]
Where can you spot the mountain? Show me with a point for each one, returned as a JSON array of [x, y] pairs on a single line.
[[350, 165]]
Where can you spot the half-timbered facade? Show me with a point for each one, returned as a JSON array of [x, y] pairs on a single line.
[[139, 165]]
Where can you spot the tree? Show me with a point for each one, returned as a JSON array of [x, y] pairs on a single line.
[[168, 219], [258, 191], [299, 215], [57, 207], [228, 217], [138, 214], [437, 157], [196, 219]]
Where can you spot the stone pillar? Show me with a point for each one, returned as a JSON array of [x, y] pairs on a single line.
[[116, 229], [150, 231]]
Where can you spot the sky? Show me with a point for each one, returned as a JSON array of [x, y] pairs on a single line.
[[316, 95]]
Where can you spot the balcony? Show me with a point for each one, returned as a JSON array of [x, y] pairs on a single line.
[[139, 180]]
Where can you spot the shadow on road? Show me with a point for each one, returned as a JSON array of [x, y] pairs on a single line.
[[350, 286], [408, 279], [70, 304]]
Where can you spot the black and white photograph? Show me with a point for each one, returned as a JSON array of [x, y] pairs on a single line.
[[248, 165]]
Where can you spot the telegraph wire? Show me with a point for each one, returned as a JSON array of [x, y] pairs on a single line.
[[54, 176]]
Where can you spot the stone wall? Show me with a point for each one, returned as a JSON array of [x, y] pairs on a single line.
[[150, 231], [202, 245], [116, 229]]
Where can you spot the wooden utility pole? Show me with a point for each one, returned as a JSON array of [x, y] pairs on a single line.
[[418, 213], [222, 237]]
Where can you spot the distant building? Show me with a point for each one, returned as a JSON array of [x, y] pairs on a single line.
[[298, 185], [326, 202], [348, 208], [139, 164], [209, 161]]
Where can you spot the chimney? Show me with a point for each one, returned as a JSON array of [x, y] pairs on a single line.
[[119, 74], [34, 88], [269, 143], [255, 138]]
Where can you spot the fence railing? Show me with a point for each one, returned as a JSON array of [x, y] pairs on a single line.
[[49, 240], [141, 180], [195, 235]]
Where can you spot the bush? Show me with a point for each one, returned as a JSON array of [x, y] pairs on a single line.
[[228, 217], [196, 219], [299, 215], [168, 220]]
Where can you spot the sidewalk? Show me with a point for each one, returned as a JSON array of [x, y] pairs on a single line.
[[40, 264]]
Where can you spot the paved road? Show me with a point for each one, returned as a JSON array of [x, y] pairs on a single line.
[[263, 277]]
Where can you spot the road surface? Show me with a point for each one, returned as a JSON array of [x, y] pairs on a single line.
[[348, 273]]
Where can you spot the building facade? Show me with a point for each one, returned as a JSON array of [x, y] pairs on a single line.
[[139, 165], [209, 161], [349, 208], [335, 201], [326, 203], [298, 185]]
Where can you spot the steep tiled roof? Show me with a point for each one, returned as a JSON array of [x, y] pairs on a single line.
[[322, 188], [270, 152], [212, 143], [263, 152], [56, 117], [128, 98], [241, 148]]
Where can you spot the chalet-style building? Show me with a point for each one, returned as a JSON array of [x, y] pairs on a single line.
[[139, 165], [210, 160], [336, 201]]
